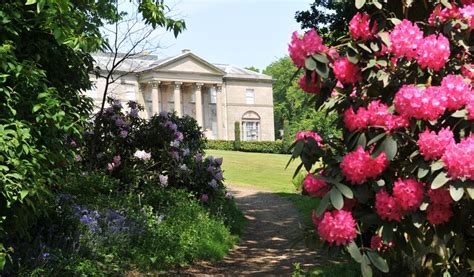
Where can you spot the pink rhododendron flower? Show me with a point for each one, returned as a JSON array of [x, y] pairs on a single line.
[[438, 214], [300, 48], [333, 53], [315, 187], [408, 193], [356, 121], [470, 107], [457, 159], [337, 227], [376, 243], [307, 134], [428, 104], [440, 196], [467, 13], [441, 15], [456, 91], [405, 39], [387, 207], [311, 87], [359, 26], [467, 70], [433, 52], [432, 145], [345, 71], [358, 166]]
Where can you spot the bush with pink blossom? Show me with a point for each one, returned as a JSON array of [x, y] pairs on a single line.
[[402, 92]]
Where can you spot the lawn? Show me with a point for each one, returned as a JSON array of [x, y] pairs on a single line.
[[265, 171]]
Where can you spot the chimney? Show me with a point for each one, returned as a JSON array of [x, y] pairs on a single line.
[[185, 51]]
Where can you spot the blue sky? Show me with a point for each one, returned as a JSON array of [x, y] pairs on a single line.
[[238, 32]]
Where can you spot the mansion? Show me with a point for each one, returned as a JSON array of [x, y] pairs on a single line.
[[216, 95]]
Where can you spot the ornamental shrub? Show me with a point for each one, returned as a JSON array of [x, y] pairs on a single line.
[[237, 135], [397, 184]]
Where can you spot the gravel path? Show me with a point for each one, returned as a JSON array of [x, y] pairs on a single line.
[[267, 246]]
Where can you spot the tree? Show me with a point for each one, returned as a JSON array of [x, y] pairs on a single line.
[[45, 60], [328, 17], [253, 68], [127, 39], [291, 103]]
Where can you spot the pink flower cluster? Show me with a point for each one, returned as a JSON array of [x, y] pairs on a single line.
[[432, 145], [303, 135], [468, 14], [408, 193], [457, 158], [405, 39], [359, 27], [300, 48], [426, 104], [358, 166], [345, 71], [439, 211], [377, 244], [387, 207], [376, 114], [442, 15], [456, 91], [337, 227], [311, 87], [470, 107], [433, 52], [315, 187]]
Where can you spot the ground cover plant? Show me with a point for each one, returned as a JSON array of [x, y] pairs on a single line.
[[396, 187], [140, 196]]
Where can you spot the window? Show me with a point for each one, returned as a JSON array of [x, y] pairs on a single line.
[[213, 95], [250, 126], [193, 97], [250, 96]]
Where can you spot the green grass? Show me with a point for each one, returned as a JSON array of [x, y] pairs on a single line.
[[264, 171]]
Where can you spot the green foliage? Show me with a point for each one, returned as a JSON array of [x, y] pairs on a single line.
[[290, 103], [237, 135], [275, 147], [418, 246]]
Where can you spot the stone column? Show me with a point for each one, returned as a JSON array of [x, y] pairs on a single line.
[[219, 112], [198, 103], [177, 98], [155, 97]]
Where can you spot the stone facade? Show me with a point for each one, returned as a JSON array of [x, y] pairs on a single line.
[[216, 95]]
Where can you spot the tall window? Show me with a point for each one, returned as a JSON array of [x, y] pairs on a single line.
[[250, 96], [213, 95], [250, 126]]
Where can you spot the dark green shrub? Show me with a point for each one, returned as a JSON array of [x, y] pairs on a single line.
[[227, 145], [237, 135], [275, 147]]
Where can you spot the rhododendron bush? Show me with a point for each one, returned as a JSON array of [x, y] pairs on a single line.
[[396, 187]]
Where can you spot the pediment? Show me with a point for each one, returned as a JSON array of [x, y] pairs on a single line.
[[189, 63]]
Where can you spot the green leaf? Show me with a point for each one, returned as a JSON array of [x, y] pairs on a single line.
[[390, 147], [30, 2], [310, 63], [336, 198], [323, 204], [422, 172], [459, 114], [385, 38], [359, 4], [322, 70], [470, 192], [436, 166], [446, 4], [440, 180], [363, 46], [395, 21], [23, 194], [375, 139], [298, 149], [321, 57], [362, 140], [345, 190], [378, 261], [354, 251], [456, 192], [365, 267]]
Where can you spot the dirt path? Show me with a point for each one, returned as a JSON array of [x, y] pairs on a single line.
[[267, 246]]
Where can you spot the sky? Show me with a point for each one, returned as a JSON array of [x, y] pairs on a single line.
[[238, 32]]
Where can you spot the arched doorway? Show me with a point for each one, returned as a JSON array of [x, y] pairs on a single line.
[[250, 126]]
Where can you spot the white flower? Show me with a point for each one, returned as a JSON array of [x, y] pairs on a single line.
[[142, 155]]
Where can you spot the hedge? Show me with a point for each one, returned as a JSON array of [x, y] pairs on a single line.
[[276, 147]]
